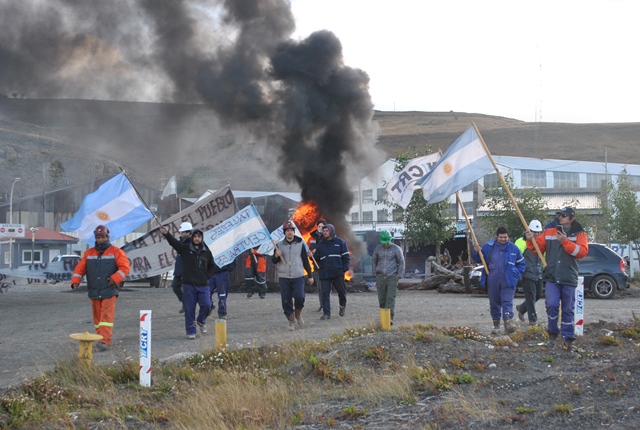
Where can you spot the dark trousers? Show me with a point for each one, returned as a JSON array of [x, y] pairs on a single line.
[[176, 285], [341, 288], [195, 295], [220, 282], [532, 292], [292, 294], [260, 278]]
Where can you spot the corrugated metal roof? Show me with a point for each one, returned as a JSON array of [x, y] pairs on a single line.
[[254, 194], [585, 202], [553, 165]]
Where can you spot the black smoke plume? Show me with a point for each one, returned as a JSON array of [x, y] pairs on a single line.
[[236, 56]]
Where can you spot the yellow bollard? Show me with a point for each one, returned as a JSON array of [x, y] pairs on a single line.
[[385, 319], [85, 351], [221, 334]]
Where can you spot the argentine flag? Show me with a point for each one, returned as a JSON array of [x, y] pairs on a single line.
[[463, 163], [115, 204], [244, 230]]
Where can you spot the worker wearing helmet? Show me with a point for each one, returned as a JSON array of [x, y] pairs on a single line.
[[290, 255], [532, 276], [176, 284], [388, 266], [105, 266]]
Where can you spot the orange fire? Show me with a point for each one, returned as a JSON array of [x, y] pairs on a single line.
[[306, 216]]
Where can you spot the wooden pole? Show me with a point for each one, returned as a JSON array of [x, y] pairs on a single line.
[[473, 234], [508, 191], [140, 197]]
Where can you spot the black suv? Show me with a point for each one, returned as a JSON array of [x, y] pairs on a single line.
[[604, 272]]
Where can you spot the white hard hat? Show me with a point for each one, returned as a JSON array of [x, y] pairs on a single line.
[[535, 225], [186, 226]]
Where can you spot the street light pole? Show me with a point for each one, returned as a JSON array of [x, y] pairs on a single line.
[[33, 244], [11, 222]]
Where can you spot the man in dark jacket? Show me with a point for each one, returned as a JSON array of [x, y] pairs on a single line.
[[197, 269], [506, 265], [176, 284], [332, 254], [564, 245], [106, 266], [532, 277]]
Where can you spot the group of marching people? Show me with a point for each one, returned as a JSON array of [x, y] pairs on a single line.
[[562, 243], [197, 277]]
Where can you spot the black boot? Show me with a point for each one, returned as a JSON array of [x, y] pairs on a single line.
[[551, 342], [496, 327]]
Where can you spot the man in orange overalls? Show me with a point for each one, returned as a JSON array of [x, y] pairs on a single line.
[[106, 266]]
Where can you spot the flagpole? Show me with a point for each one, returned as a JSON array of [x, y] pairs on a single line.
[[508, 191], [140, 197], [473, 234]]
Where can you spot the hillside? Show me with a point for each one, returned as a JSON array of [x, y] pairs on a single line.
[[153, 141]]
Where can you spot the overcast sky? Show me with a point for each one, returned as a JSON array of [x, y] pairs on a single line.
[[533, 60]]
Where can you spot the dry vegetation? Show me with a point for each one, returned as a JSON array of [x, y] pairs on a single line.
[[412, 377]]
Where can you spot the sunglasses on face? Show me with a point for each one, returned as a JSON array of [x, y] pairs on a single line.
[[563, 215]]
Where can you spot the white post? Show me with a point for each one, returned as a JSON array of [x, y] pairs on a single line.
[[145, 348], [578, 309]]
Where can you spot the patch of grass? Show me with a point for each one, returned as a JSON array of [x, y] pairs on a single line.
[[297, 418], [565, 409], [327, 371], [352, 412], [609, 341], [459, 363], [378, 354], [616, 392], [524, 410], [548, 360], [464, 333]]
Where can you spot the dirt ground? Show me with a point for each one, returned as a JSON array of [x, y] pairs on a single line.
[[36, 321]]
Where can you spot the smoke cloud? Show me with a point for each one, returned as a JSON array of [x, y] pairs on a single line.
[[236, 56]]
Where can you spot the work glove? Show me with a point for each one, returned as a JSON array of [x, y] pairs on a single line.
[[74, 286], [111, 283]]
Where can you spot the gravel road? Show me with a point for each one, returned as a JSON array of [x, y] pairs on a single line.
[[36, 321]]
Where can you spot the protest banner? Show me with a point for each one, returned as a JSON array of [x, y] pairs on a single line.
[[152, 255], [233, 236]]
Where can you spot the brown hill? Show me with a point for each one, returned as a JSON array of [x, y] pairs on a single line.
[[73, 140]]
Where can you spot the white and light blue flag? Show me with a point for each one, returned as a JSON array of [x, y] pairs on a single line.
[[170, 189], [242, 231], [401, 186], [115, 204], [277, 235], [463, 163]]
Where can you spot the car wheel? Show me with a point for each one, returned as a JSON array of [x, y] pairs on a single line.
[[154, 281], [603, 286]]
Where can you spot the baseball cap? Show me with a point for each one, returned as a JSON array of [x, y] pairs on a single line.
[[568, 211]]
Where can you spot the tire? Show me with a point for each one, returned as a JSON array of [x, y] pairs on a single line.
[[603, 286], [154, 281]]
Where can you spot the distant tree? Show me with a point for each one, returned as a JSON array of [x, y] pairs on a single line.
[[503, 213], [424, 224], [186, 185], [56, 172], [622, 211]]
